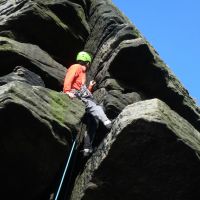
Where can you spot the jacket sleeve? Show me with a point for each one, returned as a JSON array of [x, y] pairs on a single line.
[[69, 78]]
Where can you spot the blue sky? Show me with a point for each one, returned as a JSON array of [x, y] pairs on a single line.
[[173, 29]]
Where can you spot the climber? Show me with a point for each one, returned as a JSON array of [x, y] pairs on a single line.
[[75, 86]]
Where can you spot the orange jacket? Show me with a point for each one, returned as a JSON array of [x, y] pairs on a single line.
[[75, 78]]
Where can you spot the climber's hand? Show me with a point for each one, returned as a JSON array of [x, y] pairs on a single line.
[[92, 83]]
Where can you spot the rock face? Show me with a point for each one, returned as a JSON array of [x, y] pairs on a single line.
[[152, 149], [38, 126], [149, 154]]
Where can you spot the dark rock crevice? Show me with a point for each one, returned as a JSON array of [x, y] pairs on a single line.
[[23, 75], [32, 57]]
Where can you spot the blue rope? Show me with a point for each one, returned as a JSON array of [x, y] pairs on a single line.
[[66, 167]]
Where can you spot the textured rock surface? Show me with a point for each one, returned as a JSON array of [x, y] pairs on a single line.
[[47, 24], [37, 129], [31, 56], [149, 154], [38, 41], [23, 75], [122, 53]]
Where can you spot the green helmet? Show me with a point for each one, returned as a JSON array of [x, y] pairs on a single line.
[[84, 56]]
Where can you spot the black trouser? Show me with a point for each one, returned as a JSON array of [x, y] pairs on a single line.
[[92, 125]]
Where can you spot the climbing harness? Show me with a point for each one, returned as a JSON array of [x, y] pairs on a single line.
[[83, 93]]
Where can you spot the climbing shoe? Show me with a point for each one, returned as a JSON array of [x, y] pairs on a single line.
[[108, 124], [86, 152]]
